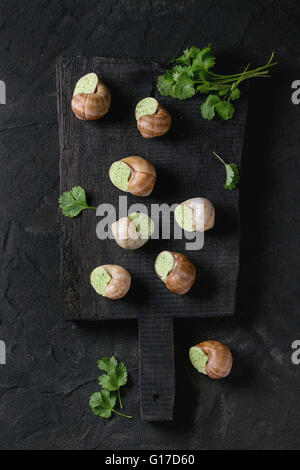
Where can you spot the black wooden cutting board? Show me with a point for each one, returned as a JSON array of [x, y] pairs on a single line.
[[185, 168]]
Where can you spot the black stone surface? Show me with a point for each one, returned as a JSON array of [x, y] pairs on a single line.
[[51, 365]]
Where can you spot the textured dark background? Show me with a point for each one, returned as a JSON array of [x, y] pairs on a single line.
[[51, 365]]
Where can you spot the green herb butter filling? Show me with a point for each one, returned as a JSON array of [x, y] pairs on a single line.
[[120, 174], [199, 359], [184, 217], [86, 84], [143, 224], [146, 106], [164, 264], [99, 280]]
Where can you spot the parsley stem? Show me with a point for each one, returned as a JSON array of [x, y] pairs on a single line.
[[121, 414], [90, 207], [218, 156], [224, 79], [263, 68], [119, 397]]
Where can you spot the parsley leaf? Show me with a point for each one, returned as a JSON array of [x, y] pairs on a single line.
[[188, 54], [213, 104], [73, 202], [177, 83], [232, 173], [165, 84], [178, 69], [225, 109], [108, 364], [232, 176], [204, 59], [184, 87], [103, 403], [208, 107], [115, 377], [235, 94]]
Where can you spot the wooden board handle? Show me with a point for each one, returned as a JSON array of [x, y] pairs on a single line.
[[157, 371]]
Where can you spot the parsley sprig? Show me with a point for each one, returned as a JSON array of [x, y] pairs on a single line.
[[232, 173], [103, 402], [193, 74], [115, 377], [73, 202]]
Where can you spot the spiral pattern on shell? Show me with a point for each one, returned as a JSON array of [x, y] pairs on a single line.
[[219, 359], [120, 281], [92, 106], [183, 275], [143, 176], [155, 125]]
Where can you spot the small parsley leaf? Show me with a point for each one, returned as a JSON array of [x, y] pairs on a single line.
[[176, 72], [235, 94], [188, 54], [184, 86], [204, 59], [102, 403], [165, 84], [73, 202], [114, 379], [208, 107], [108, 364], [232, 176], [232, 173], [225, 109]]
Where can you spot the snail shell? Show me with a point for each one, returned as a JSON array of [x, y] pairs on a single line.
[[126, 233], [183, 274], [119, 284], [219, 359], [142, 176], [202, 214], [155, 122], [94, 103]]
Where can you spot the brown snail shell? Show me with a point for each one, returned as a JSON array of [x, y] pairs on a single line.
[[120, 281], [219, 359], [155, 125], [183, 274], [92, 106], [143, 176]]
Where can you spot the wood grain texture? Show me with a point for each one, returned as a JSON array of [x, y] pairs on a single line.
[[185, 168], [157, 370]]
